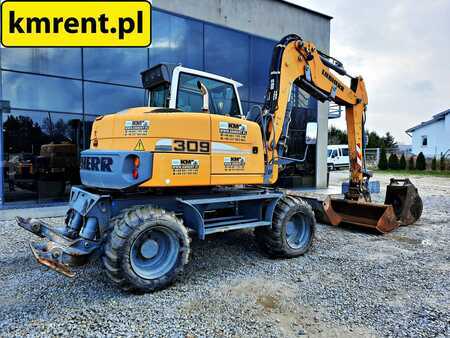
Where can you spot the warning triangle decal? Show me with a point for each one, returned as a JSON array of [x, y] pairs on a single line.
[[139, 146]]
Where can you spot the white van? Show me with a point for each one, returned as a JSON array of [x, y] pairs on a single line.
[[338, 157]]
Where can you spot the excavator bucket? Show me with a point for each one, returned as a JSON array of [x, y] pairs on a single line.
[[380, 217], [405, 199]]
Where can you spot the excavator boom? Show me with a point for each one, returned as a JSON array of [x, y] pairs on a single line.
[[300, 63]]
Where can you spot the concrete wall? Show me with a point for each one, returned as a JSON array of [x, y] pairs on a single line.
[[438, 134], [322, 143], [272, 19]]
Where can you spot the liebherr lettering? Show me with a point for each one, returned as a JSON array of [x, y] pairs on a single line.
[[332, 79]]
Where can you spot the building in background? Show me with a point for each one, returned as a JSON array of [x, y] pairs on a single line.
[[432, 137], [51, 96]]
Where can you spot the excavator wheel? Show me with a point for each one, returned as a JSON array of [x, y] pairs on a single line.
[[292, 230], [146, 250]]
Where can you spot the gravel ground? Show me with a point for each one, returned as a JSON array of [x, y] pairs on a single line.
[[352, 283]]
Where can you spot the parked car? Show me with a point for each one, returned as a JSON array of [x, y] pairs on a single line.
[[337, 157]]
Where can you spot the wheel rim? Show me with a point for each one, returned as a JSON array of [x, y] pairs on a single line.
[[154, 252], [297, 232]]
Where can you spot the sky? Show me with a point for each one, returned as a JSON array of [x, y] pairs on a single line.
[[402, 50]]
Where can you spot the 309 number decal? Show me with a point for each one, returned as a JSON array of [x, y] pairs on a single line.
[[191, 146]]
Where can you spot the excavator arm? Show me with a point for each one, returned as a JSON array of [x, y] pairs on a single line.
[[300, 63], [297, 62]]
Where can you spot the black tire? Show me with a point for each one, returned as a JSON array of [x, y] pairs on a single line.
[[138, 225], [276, 241]]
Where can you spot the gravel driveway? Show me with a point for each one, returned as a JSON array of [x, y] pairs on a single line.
[[352, 283]]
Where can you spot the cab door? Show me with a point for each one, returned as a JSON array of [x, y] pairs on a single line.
[[236, 151], [237, 155]]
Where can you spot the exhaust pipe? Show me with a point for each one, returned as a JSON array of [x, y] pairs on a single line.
[[205, 94]]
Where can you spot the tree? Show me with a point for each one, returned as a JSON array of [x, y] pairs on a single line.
[[411, 165], [434, 164], [337, 136], [389, 141], [393, 162], [402, 165], [383, 163], [374, 140], [442, 163], [420, 162]]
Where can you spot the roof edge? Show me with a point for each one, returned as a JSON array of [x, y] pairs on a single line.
[[435, 118], [288, 2]]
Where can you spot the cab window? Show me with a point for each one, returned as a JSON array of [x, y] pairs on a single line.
[[222, 96], [344, 151], [158, 96]]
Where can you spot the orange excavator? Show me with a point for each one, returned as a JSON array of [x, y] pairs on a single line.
[[191, 161]]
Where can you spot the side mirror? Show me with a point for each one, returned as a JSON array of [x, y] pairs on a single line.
[[311, 133], [204, 92]]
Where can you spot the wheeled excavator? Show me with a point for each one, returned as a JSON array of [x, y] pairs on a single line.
[[191, 162]]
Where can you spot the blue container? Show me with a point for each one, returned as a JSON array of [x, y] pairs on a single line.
[[374, 187]]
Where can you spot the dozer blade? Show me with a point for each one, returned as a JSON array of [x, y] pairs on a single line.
[[405, 199], [376, 216]]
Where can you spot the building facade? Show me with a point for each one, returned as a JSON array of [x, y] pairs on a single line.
[[51, 96], [432, 137]]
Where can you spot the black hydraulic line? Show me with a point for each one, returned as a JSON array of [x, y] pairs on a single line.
[[338, 69], [313, 91]]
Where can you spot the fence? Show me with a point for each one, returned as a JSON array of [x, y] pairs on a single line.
[[372, 155]]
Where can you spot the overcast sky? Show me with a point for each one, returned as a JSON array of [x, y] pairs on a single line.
[[402, 49]]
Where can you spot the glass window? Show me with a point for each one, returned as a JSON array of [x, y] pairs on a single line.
[[222, 97], [104, 99], [115, 65], [227, 54], [329, 153], [159, 96], [261, 56], [52, 61], [176, 40], [88, 122], [41, 154], [424, 141], [344, 151], [26, 91]]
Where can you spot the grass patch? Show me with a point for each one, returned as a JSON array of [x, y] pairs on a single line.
[[436, 173]]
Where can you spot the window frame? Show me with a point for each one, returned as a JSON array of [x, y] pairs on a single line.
[[182, 70], [424, 138]]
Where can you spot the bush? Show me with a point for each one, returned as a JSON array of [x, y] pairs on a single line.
[[443, 163], [411, 165], [421, 164], [433, 163], [402, 165], [383, 163], [393, 162]]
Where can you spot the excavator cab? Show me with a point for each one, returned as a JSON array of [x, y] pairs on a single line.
[[176, 87]]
